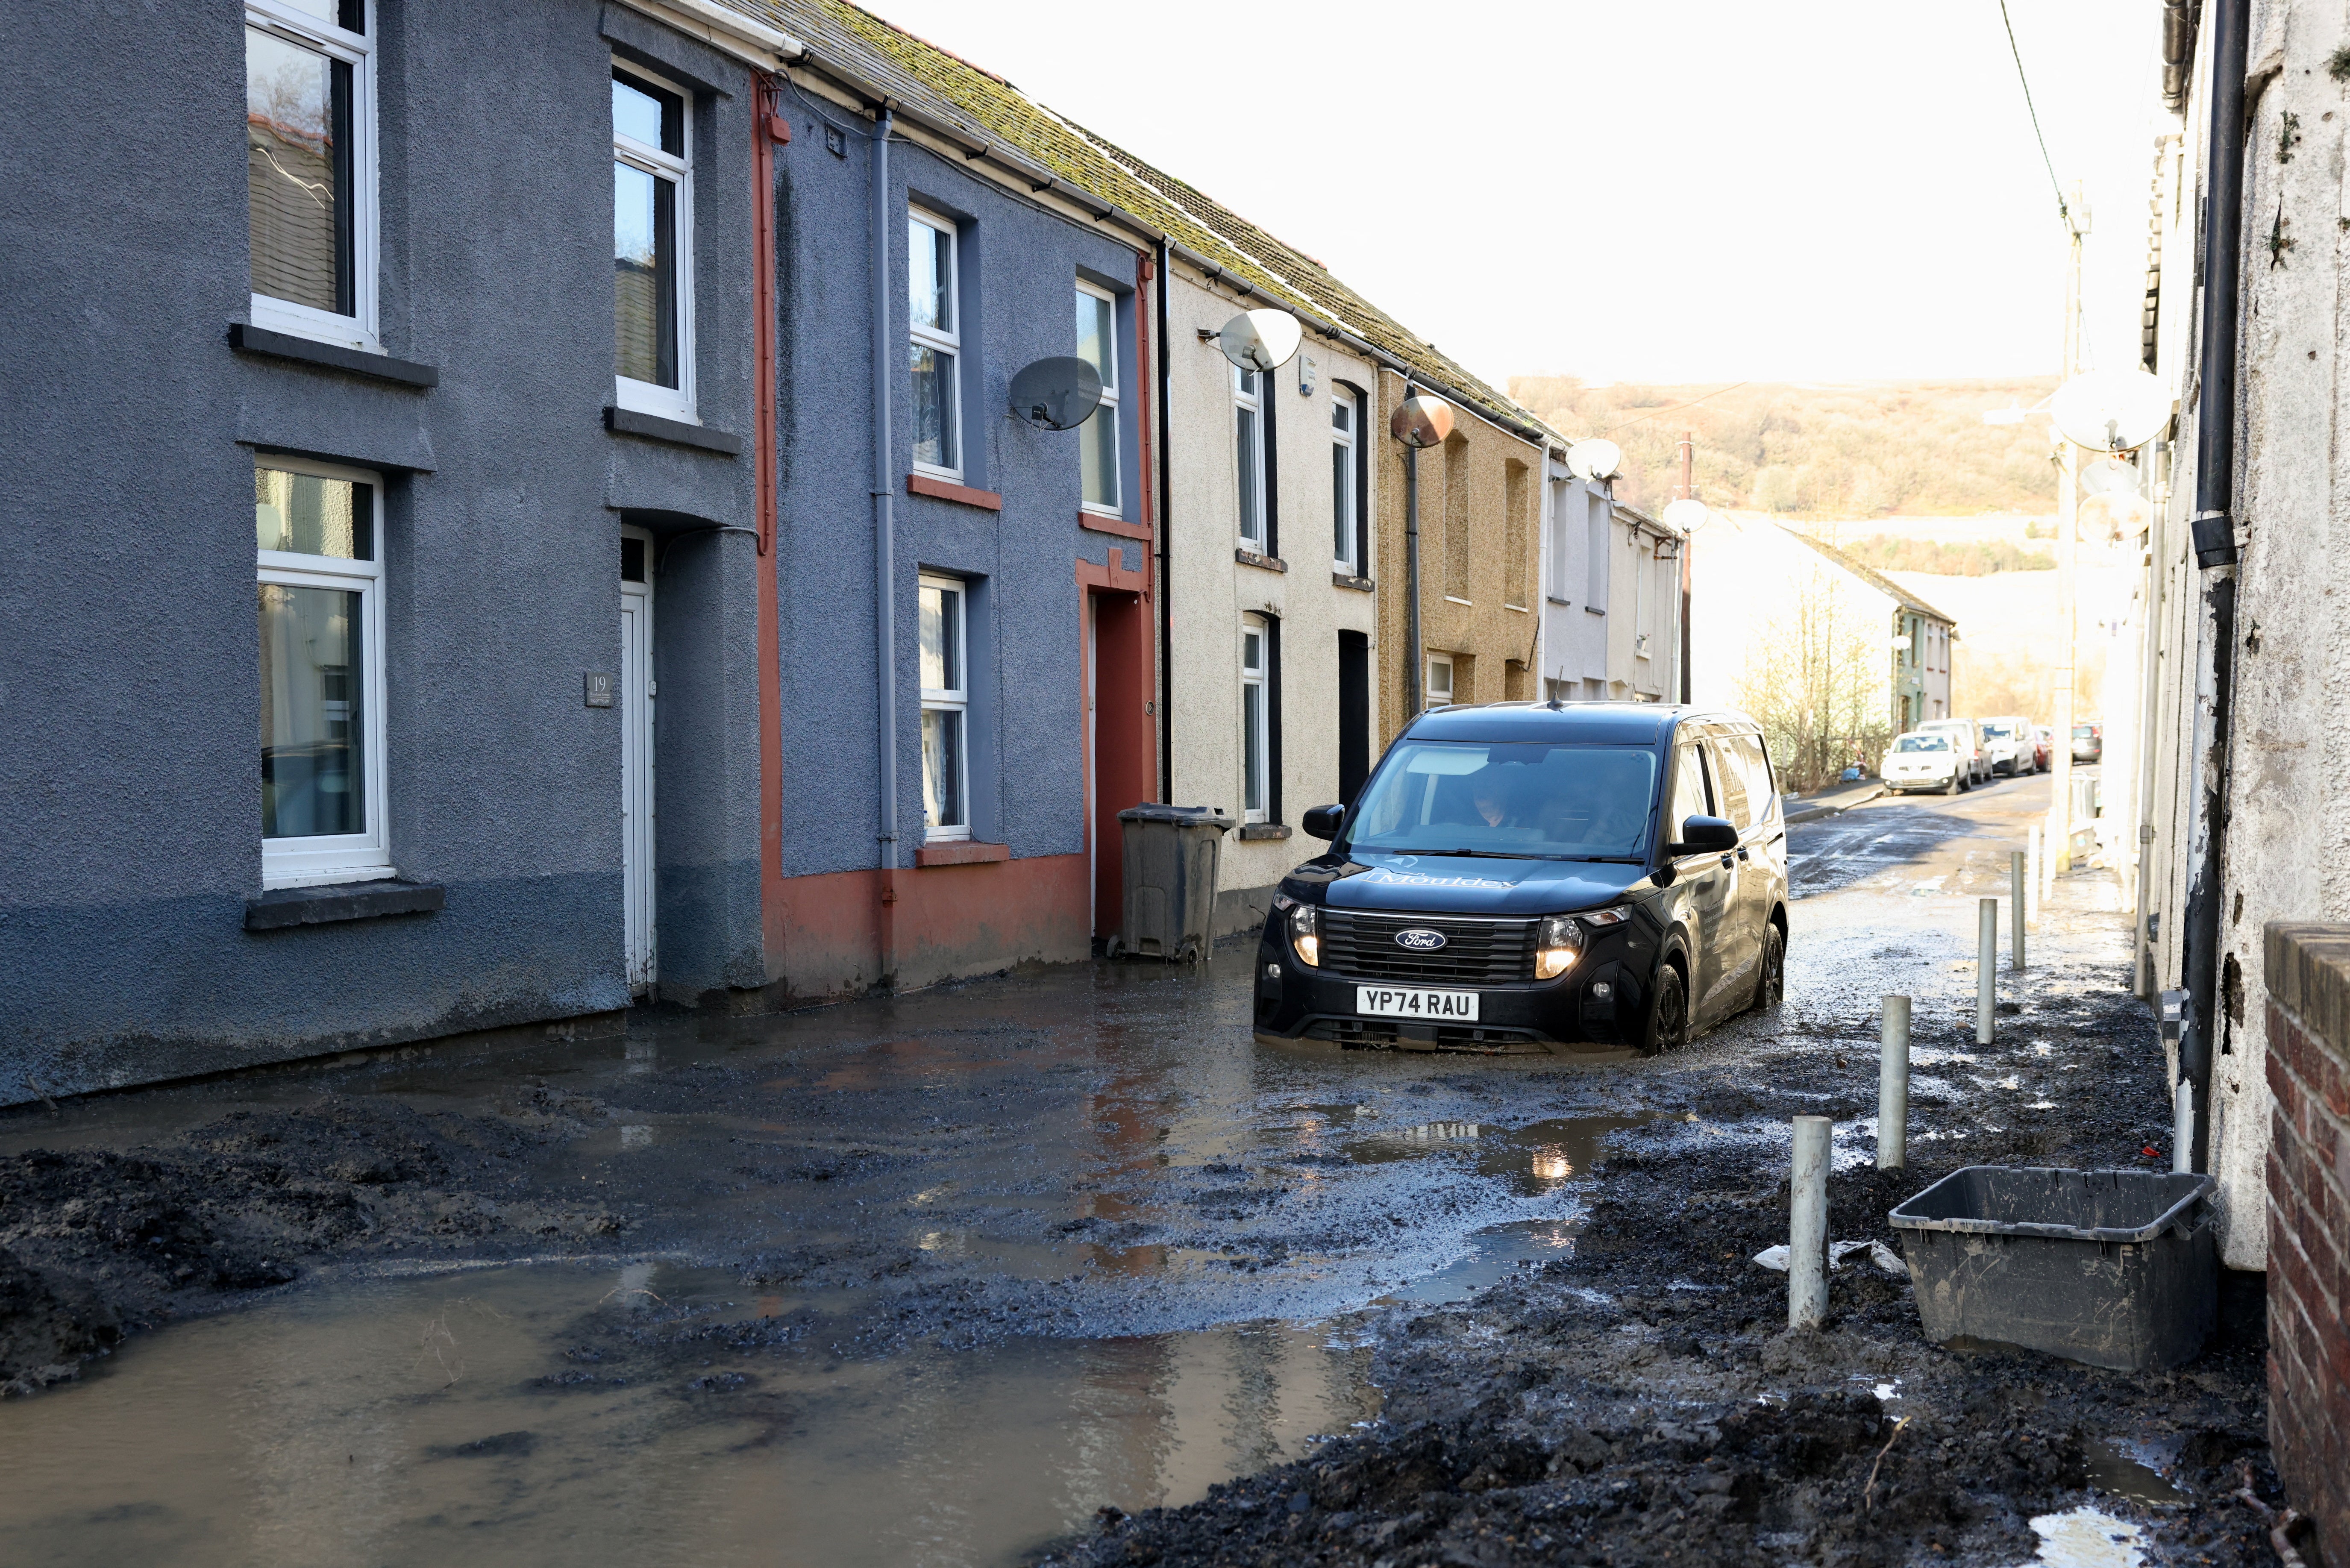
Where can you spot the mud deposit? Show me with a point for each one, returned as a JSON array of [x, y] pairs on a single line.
[[1643, 1402]]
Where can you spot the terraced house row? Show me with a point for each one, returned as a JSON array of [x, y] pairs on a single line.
[[732, 344]]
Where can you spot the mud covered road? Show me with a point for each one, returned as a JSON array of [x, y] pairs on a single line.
[[1027, 1266]]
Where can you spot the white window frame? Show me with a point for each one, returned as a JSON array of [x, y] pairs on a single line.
[[645, 397], [356, 330], [1257, 734], [316, 859], [949, 343], [1345, 504], [1249, 476], [953, 699], [1428, 689], [1109, 403]]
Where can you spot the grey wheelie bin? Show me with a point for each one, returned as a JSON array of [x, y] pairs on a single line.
[[1173, 854]]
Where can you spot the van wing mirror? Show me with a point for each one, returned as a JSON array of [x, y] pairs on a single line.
[[1704, 836], [1324, 821]]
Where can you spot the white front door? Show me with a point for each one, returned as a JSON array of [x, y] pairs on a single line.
[[637, 691]]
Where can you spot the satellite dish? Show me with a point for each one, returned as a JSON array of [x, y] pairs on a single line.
[[2111, 410], [1594, 459], [1421, 421], [1261, 340], [1687, 514], [1057, 394], [2109, 476]]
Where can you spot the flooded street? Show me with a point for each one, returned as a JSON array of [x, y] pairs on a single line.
[[923, 1280]]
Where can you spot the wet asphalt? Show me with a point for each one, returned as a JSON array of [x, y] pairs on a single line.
[[1022, 1247]]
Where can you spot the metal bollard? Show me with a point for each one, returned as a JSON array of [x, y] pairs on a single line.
[[2182, 1126], [1893, 1086], [2032, 874], [2015, 875], [1807, 1224], [1986, 969]]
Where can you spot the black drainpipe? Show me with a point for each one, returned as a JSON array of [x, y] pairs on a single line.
[[2215, 550], [1166, 533]]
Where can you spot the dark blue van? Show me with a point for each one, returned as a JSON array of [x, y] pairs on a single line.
[[1537, 877]]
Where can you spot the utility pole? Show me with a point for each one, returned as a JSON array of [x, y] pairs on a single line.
[[1686, 491], [2068, 555]]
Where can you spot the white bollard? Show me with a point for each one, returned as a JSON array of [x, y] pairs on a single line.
[[2015, 896], [2182, 1126], [1807, 1224], [1986, 970], [2031, 877], [1893, 1086]]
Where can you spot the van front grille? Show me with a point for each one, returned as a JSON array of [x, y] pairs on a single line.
[[1475, 951]]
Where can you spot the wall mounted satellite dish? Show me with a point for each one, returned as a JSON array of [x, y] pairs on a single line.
[[1594, 459], [2111, 410], [1421, 421], [2111, 476], [1687, 514], [1057, 394], [1261, 340]]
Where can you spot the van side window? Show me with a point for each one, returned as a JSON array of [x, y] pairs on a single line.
[[1730, 782], [1690, 796], [1745, 756]]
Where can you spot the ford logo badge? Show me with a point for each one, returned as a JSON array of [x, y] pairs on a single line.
[[1420, 939]]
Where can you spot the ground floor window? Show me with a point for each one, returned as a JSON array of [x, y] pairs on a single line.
[[946, 710], [320, 634], [1439, 679], [1256, 746]]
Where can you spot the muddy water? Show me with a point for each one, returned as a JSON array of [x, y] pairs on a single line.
[[436, 1420]]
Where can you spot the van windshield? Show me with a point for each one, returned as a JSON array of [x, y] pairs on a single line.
[[1529, 800], [1922, 743]]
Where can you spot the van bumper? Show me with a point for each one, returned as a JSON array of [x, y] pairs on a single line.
[[1600, 1006]]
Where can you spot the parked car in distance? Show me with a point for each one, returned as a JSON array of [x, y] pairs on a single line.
[[1967, 736], [2008, 743], [1520, 875], [2089, 742], [1924, 760], [2043, 754]]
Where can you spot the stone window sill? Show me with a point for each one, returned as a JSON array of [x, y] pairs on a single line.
[[249, 339], [1102, 523], [1256, 830], [281, 908], [960, 852], [946, 490], [652, 427], [1265, 562], [1360, 585]]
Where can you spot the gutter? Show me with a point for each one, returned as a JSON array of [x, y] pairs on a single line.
[[2215, 555], [885, 546]]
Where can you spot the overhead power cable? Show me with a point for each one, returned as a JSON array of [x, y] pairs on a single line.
[[1677, 408], [2055, 184]]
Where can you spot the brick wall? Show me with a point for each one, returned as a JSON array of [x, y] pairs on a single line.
[[2308, 972]]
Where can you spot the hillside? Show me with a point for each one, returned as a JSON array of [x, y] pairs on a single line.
[[1858, 452]]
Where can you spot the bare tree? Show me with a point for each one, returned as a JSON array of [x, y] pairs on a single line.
[[1815, 679]]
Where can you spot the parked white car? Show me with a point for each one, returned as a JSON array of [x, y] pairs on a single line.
[[2009, 743], [1924, 760], [1966, 736]]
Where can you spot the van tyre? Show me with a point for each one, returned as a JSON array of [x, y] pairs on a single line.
[[1770, 983], [1668, 1013]]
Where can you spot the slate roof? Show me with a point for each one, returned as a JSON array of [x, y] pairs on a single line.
[[988, 109], [1874, 578]]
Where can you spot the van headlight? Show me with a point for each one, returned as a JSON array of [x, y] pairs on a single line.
[[1558, 945], [1305, 934]]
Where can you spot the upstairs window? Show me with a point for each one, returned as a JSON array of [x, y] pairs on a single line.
[[1098, 438], [1248, 448], [317, 538], [309, 182], [946, 710], [652, 245], [1344, 413], [935, 355]]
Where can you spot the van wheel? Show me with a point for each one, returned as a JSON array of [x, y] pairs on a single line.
[[1771, 985], [1668, 1013]]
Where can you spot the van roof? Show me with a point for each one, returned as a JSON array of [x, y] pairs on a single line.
[[1595, 723]]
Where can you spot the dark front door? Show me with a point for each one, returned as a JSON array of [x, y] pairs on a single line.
[[1354, 713]]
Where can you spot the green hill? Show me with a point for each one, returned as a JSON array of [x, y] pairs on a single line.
[[1867, 449]]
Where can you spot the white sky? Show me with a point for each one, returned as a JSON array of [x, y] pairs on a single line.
[[1645, 190]]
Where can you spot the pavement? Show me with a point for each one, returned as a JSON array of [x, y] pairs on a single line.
[[951, 1277], [1820, 803]]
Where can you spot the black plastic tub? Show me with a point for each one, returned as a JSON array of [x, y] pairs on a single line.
[[2116, 1268]]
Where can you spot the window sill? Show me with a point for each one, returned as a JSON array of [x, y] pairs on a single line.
[[1360, 585], [1553, 598], [652, 427], [1520, 608], [947, 489], [1256, 830], [281, 908], [1102, 523], [1457, 599], [250, 339], [960, 852], [1593, 609], [1247, 557]]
